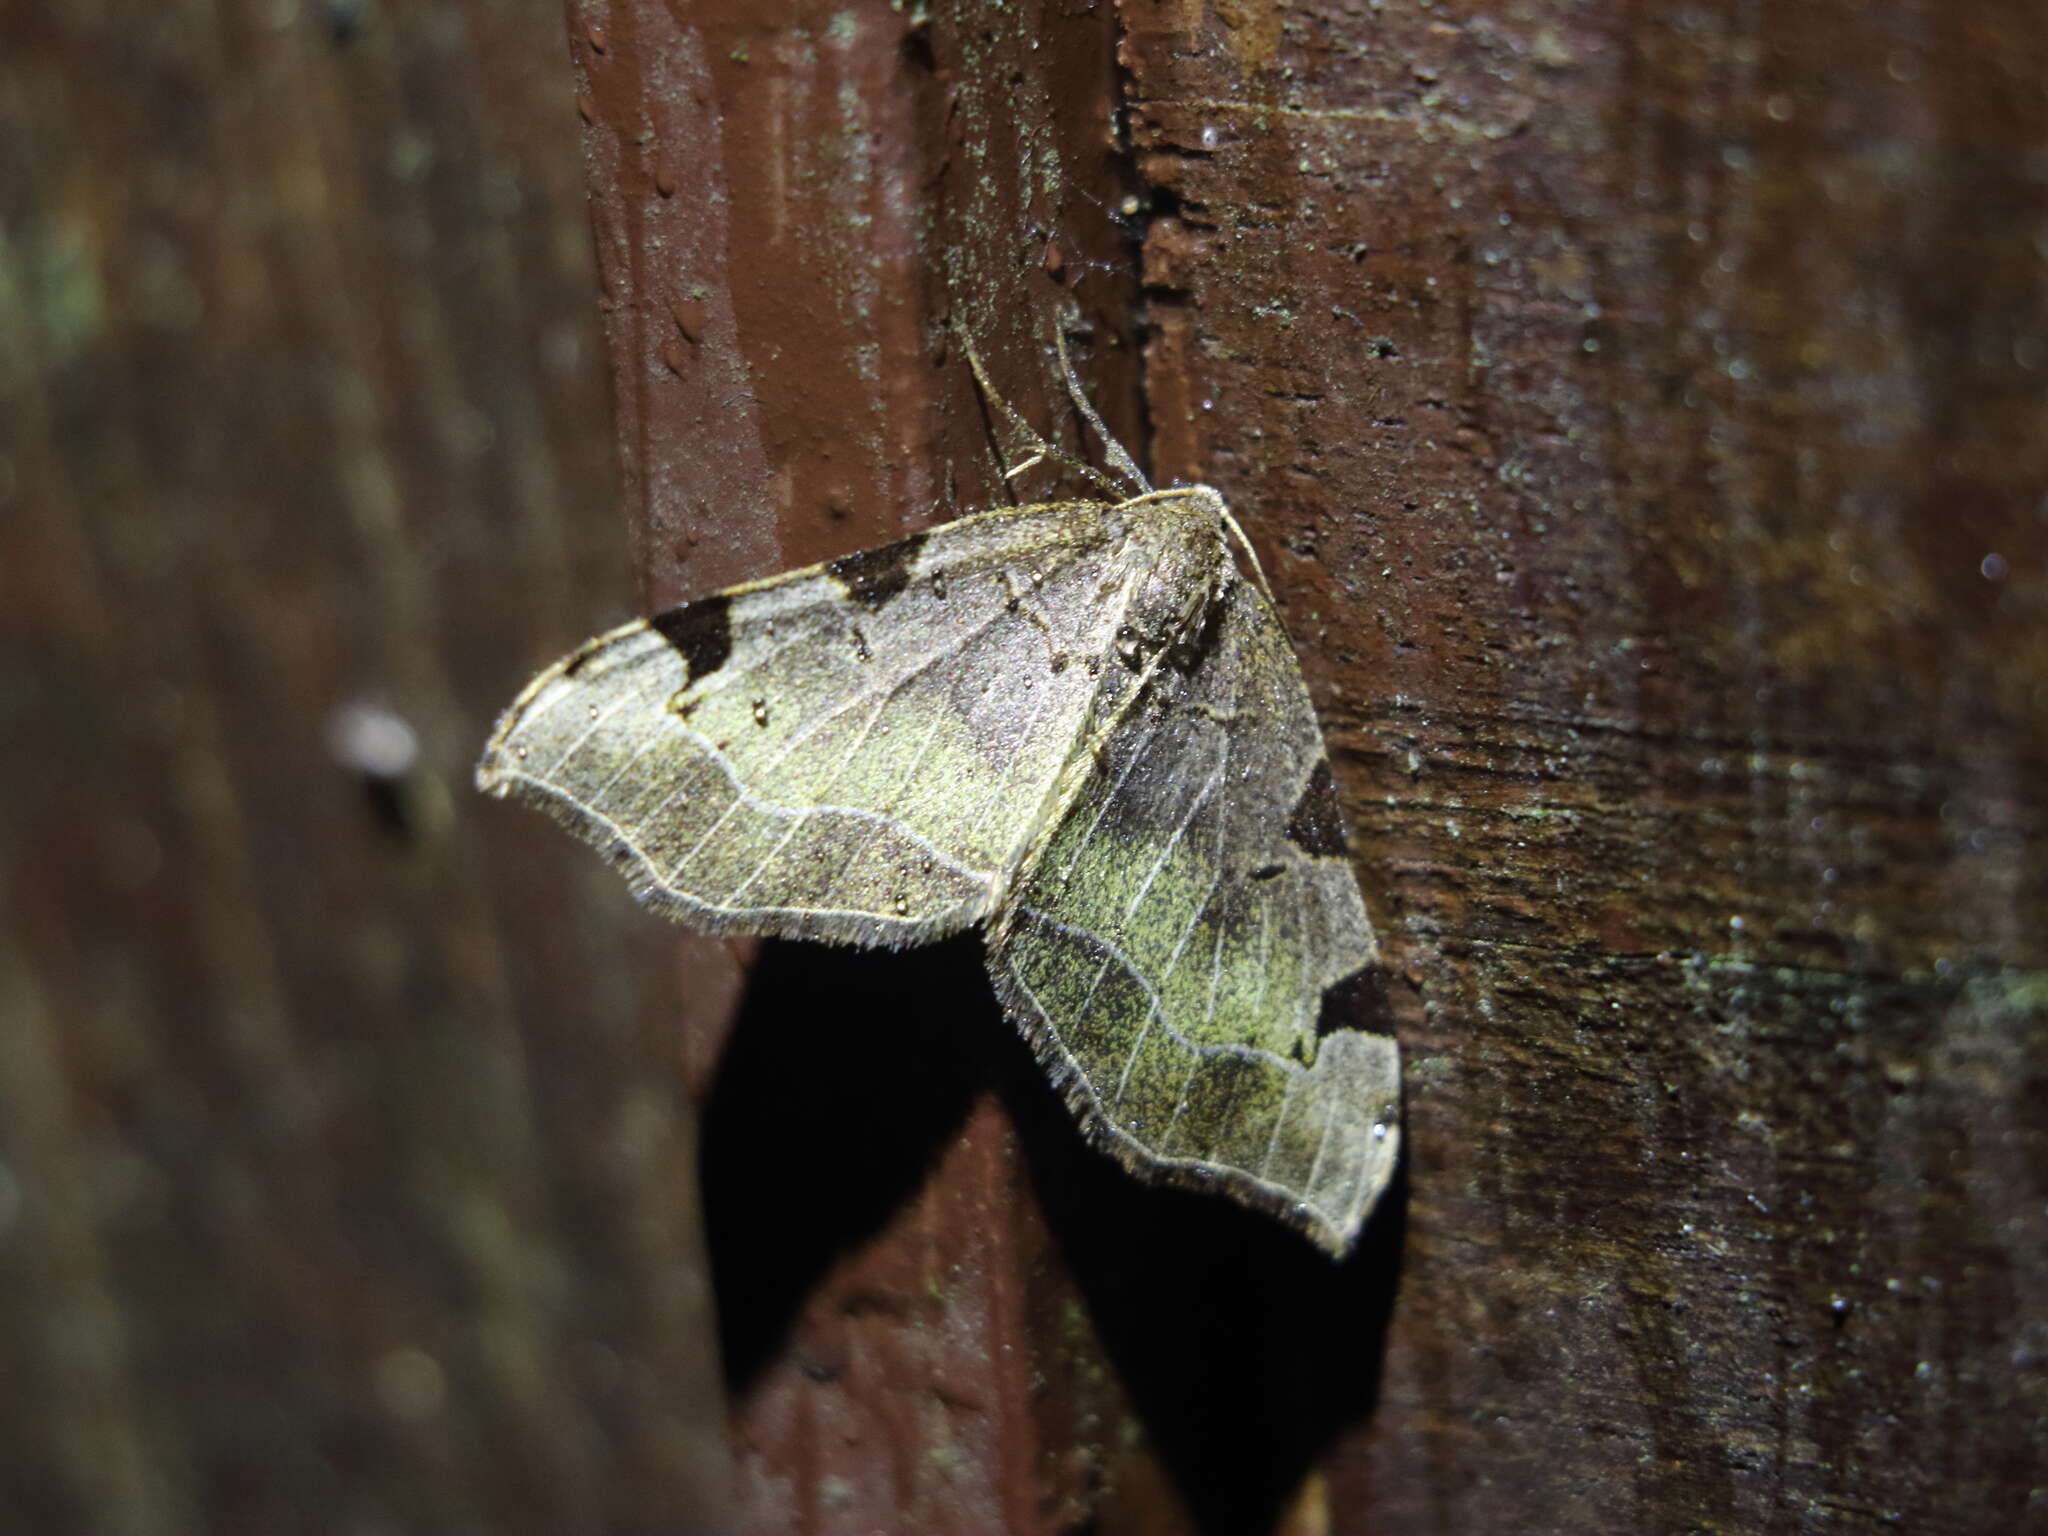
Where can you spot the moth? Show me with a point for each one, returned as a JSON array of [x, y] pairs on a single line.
[[1076, 724]]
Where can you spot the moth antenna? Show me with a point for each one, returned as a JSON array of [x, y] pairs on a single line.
[[1230, 523], [1015, 421], [1244, 543], [1009, 417], [1112, 450]]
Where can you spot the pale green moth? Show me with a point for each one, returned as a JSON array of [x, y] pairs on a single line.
[[1076, 724]]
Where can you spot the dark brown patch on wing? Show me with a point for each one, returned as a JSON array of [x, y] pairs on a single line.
[[701, 632], [1356, 1002], [873, 576], [581, 659], [1317, 825]]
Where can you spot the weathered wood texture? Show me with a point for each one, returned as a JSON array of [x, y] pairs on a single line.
[[345, 1183], [1641, 416], [1646, 413]]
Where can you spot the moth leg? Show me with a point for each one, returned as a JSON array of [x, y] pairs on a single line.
[[1119, 459], [1010, 417]]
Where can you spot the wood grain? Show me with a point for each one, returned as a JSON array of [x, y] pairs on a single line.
[[1651, 417], [1642, 423], [345, 1183], [1640, 413]]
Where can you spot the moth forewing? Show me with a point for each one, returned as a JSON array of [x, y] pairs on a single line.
[[843, 752], [1074, 721], [1175, 945]]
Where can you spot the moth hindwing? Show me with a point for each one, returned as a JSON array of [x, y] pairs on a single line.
[[1075, 724]]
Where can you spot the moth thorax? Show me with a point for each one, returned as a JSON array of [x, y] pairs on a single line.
[[1173, 595]]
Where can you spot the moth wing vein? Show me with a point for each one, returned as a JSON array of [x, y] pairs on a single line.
[[598, 794], [1215, 977], [770, 808], [1123, 1082], [1279, 1124], [619, 834], [1102, 810], [542, 695], [1002, 782], [797, 823], [1180, 1107], [888, 817], [1315, 1167], [589, 730], [655, 815], [1187, 931], [1120, 956], [1155, 1156], [1173, 842], [625, 841], [895, 686]]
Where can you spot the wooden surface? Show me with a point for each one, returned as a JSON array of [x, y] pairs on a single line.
[[344, 1180], [1641, 417]]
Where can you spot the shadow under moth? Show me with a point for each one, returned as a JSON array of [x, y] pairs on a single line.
[[1076, 724]]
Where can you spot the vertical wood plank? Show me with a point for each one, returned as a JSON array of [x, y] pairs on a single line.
[[1640, 458], [345, 1178], [1640, 416]]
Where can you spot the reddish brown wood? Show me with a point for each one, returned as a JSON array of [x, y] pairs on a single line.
[[1640, 413], [792, 205], [1629, 409], [345, 1184], [1646, 421]]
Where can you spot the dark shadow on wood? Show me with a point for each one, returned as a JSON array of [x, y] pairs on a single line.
[[847, 1074], [1246, 1351]]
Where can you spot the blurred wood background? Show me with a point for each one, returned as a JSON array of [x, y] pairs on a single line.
[[1643, 417]]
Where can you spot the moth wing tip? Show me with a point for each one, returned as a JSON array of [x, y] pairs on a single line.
[[1338, 1233], [1334, 1238], [492, 776]]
